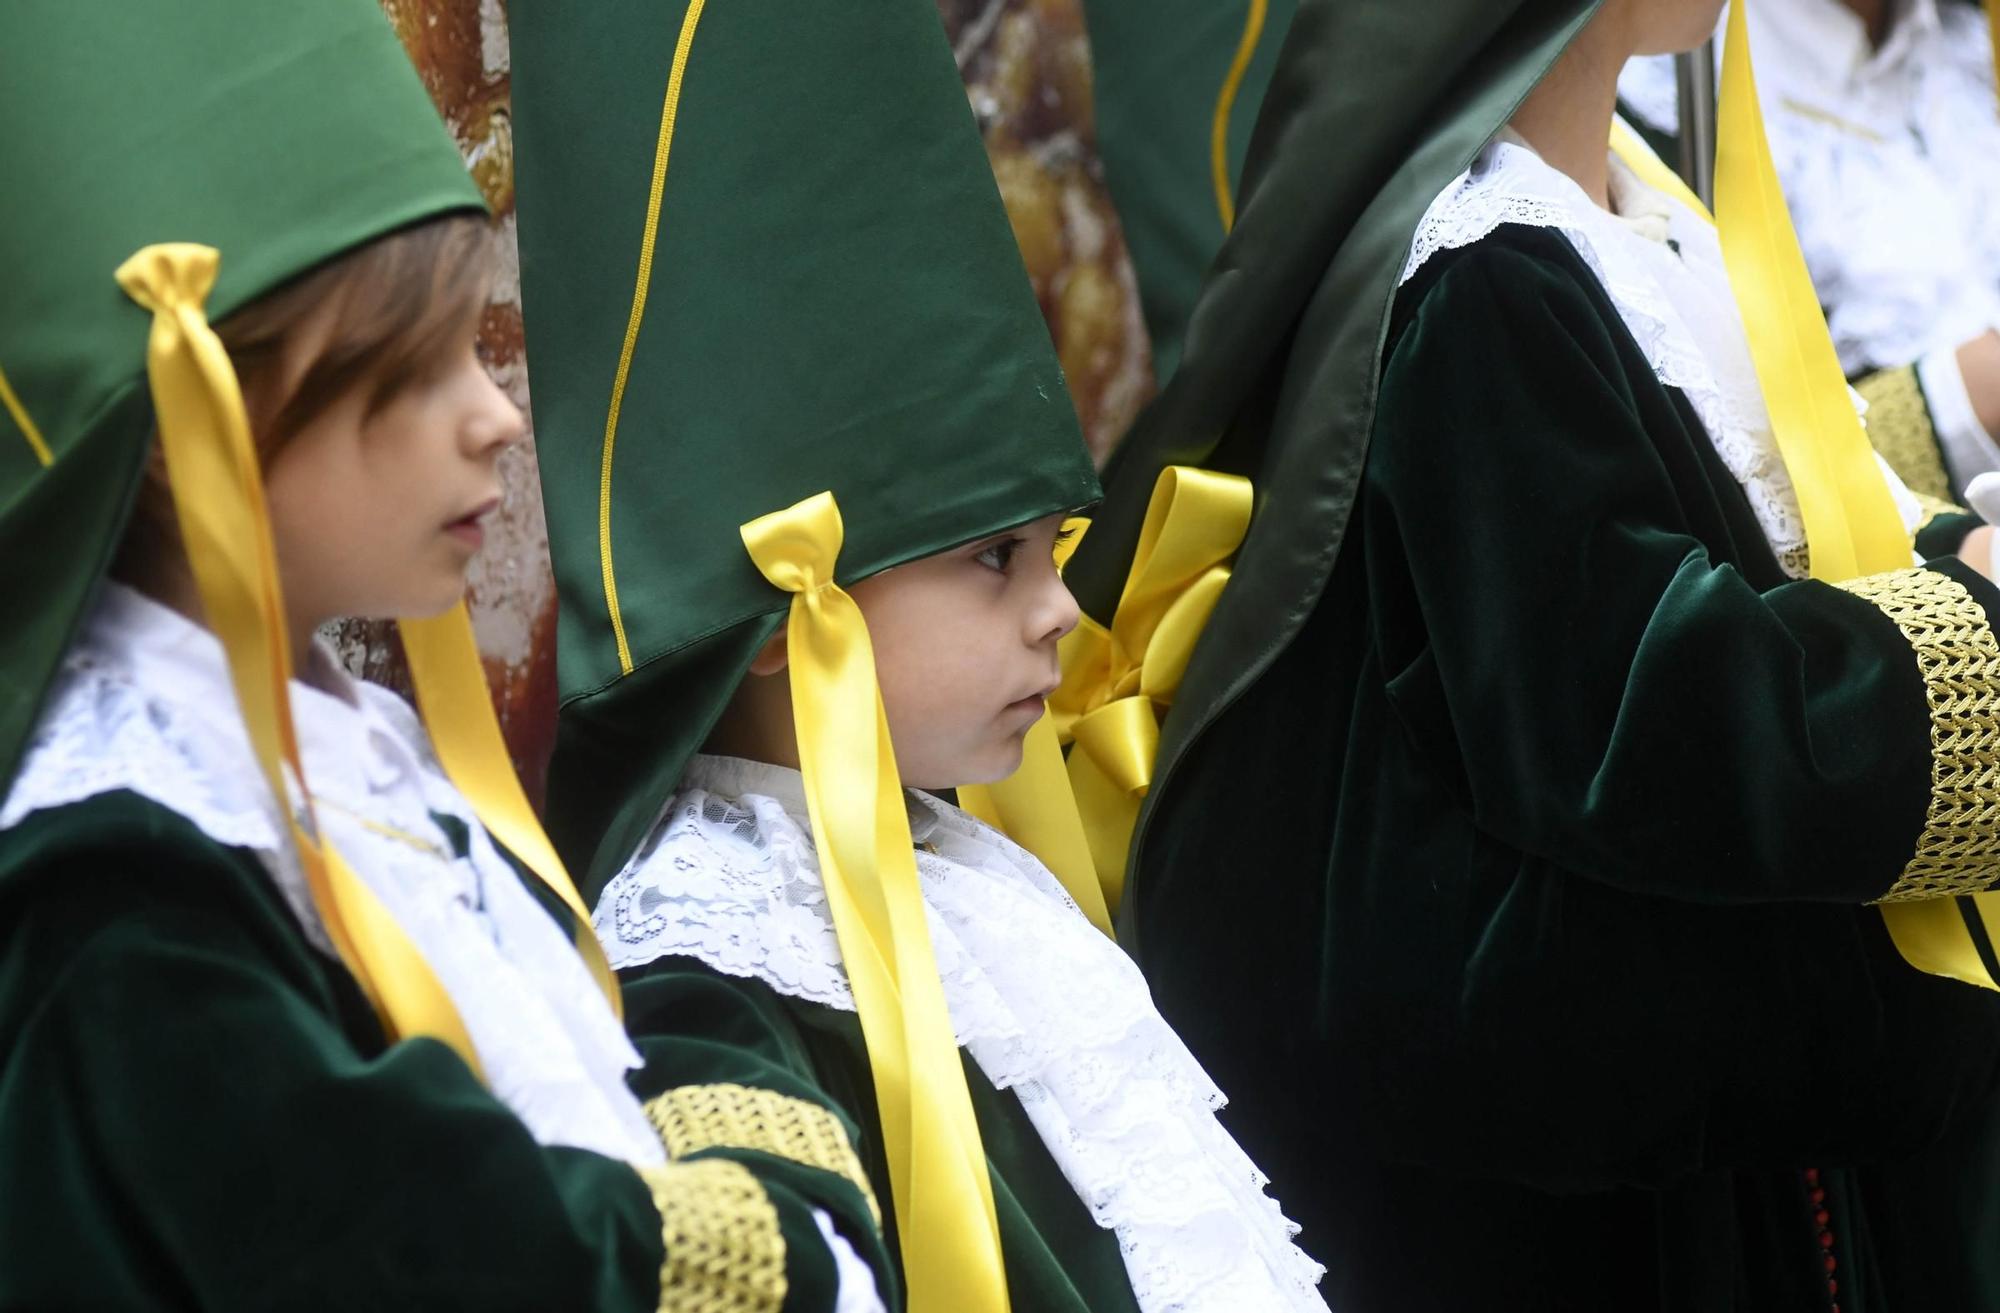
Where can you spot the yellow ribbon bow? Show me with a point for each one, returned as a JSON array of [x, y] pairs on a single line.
[[949, 1231], [218, 494], [1851, 523], [1118, 682]]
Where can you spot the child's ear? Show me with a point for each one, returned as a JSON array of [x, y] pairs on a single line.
[[770, 658]]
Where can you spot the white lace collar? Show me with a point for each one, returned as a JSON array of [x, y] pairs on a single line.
[[1047, 1006], [1672, 296], [143, 703]]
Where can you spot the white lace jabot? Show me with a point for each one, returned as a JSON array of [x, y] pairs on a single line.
[[1661, 265], [143, 703], [1047, 1006]]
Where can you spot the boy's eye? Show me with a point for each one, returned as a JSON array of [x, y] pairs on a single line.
[[1000, 555]]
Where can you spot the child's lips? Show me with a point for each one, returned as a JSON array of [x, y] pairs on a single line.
[[467, 529], [1030, 706]]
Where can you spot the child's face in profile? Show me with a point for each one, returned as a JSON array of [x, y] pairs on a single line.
[[377, 514], [965, 648]]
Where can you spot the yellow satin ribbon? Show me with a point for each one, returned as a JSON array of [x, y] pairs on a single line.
[[1118, 682], [949, 1231], [1851, 523], [1036, 808], [458, 711], [218, 495]]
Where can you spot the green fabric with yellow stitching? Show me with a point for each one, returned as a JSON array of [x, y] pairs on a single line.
[[833, 301], [1552, 983], [1160, 81]]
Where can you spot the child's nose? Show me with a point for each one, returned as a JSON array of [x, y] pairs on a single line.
[[1058, 612], [497, 422]]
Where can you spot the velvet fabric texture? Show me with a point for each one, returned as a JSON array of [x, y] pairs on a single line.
[[1548, 979], [1058, 1260], [198, 1111]]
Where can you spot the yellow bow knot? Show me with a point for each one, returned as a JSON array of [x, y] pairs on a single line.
[[797, 549], [1118, 682], [949, 1231]]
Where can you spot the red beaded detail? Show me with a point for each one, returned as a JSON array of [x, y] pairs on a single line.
[[1822, 1218]]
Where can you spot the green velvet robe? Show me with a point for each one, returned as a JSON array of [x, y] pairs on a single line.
[[1058, 1260], [1524, 913], [198, 1111]]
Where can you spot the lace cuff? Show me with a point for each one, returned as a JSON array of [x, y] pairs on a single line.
[[696, 1117], [1959, 849], [725, 1253]]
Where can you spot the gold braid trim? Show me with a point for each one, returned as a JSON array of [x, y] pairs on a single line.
[[1899, 424], [696, 1117], [1959, 849], [1933, 507], [725, 1253]]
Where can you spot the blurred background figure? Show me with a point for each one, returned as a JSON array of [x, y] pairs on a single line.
[[1885, 130]]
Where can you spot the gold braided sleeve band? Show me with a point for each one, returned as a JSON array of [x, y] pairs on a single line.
[[1934, 507], [696, 1117], [1899, 426], [1959, 849], [725, 1253]]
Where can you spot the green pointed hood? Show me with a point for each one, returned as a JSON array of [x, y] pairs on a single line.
[[281, 134], [1165, 73], [1375, 105], [833, 302]]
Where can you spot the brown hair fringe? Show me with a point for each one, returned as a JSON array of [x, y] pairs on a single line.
[[399, 305]]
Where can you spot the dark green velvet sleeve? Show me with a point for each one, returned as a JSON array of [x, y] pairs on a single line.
[[1595, 681], [197, 1111], [727, 1077], [752, 1068]]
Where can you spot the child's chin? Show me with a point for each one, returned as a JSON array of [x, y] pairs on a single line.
[[992, 767], [425, 603]]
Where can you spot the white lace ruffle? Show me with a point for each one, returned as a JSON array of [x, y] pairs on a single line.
[[142, 704], [100, 734], [1048, 1008], [1511, 184]]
